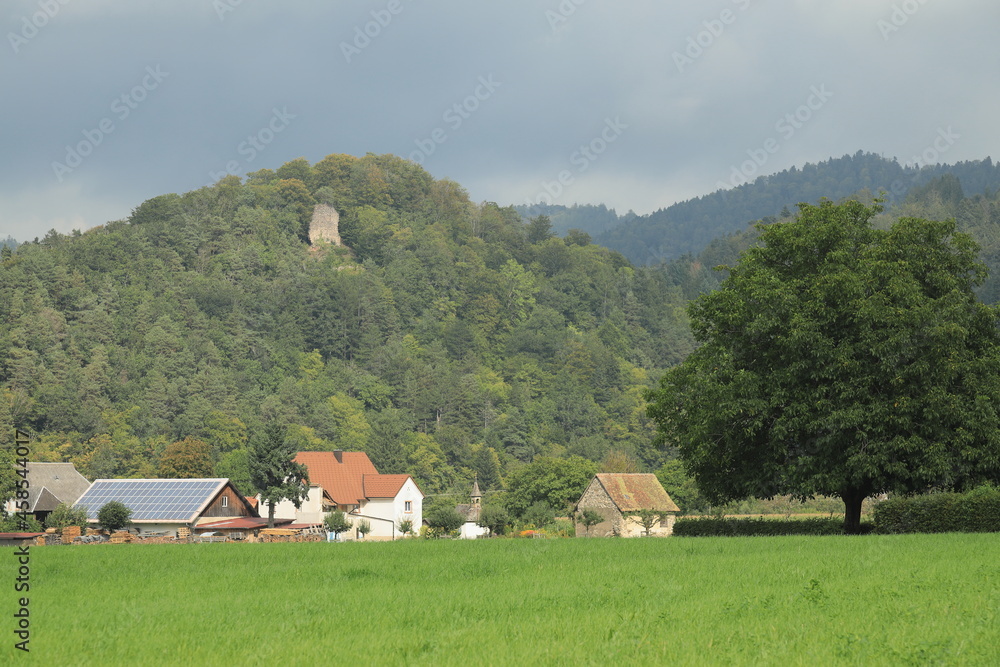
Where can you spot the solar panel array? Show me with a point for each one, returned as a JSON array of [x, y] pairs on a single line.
[[151, 499]]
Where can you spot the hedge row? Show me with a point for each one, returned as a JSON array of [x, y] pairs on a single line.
[[718, 527], [977, 511]]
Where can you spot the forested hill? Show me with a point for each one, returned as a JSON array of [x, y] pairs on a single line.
[[689, 226], [446, 338]]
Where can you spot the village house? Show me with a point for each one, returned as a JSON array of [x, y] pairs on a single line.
[[348, 482], [618, 496], [162, 506], [50, 484]]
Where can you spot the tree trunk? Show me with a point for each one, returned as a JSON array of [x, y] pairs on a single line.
[[852, 510], [270, 514]]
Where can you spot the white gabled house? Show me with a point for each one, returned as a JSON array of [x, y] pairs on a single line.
[[349, 482]]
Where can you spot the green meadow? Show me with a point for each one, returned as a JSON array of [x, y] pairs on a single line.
[[872, 600]]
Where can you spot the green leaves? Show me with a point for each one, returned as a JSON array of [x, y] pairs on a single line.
[[839, 359]]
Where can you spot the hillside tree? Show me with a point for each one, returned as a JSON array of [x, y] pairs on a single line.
[[840, 359]]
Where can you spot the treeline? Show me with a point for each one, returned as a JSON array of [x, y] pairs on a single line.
[[941, 198], [448, 338], [689, 226]]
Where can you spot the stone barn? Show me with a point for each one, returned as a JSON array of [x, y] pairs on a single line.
[[617, 496]]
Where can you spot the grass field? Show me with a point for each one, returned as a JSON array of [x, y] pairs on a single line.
[[914, 599]]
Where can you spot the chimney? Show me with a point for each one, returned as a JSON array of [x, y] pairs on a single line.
[[339, 453]]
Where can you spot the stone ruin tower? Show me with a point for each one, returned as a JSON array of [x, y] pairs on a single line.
[[325, 225]]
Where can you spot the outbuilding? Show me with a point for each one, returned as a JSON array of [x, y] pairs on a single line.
[[49, 485], [164, 505], [618, 497]]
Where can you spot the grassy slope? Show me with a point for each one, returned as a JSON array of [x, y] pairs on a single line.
[[871, 600]]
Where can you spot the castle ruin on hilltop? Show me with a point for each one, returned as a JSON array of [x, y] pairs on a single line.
[[325, 225]]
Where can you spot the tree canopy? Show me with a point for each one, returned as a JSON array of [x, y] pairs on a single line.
[[840, 359], [273, 471], [114, 516]]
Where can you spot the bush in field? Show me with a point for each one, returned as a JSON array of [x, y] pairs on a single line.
[[977, 511], [721, 527], [114, 516], [64, 516]]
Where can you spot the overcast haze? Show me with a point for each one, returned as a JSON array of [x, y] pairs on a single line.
[[534, 81]]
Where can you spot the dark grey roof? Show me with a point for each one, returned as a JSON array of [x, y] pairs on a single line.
[[58, 482]]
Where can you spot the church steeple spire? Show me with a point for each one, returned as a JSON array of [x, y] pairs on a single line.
[[477, 495]]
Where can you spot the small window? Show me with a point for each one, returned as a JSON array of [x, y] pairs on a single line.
[[225, 501], [408, 506]]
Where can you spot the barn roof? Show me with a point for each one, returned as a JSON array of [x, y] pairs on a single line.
[[636, 491], [154, 500], [53, 483]]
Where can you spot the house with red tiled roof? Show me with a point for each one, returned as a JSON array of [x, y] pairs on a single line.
[[348, 482], [618, 497]]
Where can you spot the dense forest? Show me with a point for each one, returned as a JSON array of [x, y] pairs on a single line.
[[689, 226], [445, 338]]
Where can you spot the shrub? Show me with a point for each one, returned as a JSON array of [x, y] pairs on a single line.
[[721, 527], [405, 526], [494, 518], [540, 514], [114, 516], [977, 511], [64, 515], [336, 523], [444, 519], [589, 518], [13, 523]]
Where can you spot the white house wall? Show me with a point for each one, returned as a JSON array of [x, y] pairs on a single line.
[[311, 510], [386, 513]]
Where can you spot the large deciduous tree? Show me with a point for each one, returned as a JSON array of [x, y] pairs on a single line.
[[187, 458], [274, 472], [840, 359]]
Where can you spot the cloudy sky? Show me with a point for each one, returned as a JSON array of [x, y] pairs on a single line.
[[634, 104]]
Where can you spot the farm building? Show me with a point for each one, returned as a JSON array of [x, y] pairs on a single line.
[[50, 484], [617, 496], [164, 505], [470, 529], [349, 482]]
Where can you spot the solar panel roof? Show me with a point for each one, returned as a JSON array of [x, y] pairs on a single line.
[[152, 499]]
